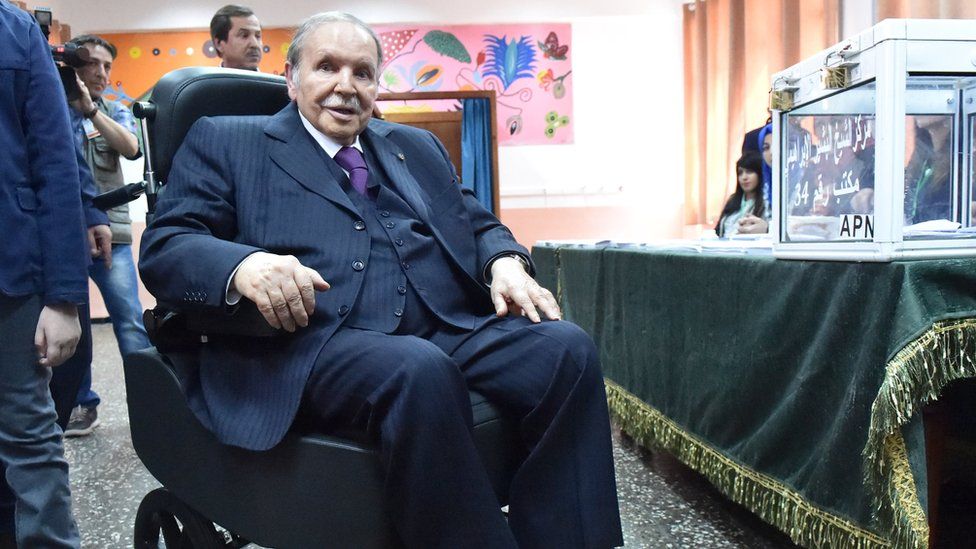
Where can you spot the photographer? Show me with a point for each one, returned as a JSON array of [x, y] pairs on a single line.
[[42, 283], [106, 130]]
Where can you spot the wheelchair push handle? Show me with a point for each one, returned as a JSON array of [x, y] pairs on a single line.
[[146, 111]]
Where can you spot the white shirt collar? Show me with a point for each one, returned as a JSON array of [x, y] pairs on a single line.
[[327, 143]]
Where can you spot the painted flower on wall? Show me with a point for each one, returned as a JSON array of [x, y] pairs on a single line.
[[509, 60], [547, 79], [553, 122], [422, 75]]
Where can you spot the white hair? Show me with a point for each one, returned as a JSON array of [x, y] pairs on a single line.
[[308, 26]]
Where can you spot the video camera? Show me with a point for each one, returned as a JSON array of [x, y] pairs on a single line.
[[68, 56]]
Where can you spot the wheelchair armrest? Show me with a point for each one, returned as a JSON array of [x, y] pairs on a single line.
[[243, 320], [172, 329]]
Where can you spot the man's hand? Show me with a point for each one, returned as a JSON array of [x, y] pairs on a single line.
[[281, 287], [117, 136], [100, 243], [57, 334], [751, 224], [84, 104], [514, 291]]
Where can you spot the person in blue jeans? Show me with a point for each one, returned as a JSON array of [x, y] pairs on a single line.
[[43, 285], [106, 130]]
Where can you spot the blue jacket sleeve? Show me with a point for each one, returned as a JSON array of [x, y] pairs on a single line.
[[54, 174]]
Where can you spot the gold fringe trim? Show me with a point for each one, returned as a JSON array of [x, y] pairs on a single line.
[[915, 376], [777, 504]]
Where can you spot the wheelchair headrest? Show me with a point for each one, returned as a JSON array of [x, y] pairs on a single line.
[[184, 95]]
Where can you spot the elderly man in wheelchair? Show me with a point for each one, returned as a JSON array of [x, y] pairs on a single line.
[[414, 378]]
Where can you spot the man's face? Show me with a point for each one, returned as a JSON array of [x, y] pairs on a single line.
[[242, 49], [98, 71], [337, 80]]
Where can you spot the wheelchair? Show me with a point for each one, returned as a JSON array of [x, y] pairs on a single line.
[[311, 490]]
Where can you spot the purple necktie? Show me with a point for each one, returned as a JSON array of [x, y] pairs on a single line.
[[353, 162]]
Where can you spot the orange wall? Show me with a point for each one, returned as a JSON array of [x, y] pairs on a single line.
[[144, 57]]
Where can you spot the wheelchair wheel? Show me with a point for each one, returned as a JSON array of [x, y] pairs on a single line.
[[181, 527]]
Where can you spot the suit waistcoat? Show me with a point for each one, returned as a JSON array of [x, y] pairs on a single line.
[[408, 273]]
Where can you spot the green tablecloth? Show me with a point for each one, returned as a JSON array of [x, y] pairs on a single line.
[[793, 386]]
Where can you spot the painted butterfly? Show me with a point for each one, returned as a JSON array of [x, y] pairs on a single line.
[[551, 48]]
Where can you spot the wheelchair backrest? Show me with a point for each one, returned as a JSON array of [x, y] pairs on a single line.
[[184, 95]]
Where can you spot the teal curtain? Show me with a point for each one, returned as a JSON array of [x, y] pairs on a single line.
[[476, 149]]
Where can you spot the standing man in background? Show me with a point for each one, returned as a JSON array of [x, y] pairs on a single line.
[[42, 282], [236, 35], [105, 130]]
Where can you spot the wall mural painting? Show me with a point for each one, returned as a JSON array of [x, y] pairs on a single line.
[[527, 65]]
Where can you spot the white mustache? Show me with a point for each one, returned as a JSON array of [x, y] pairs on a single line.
[[337, 101]]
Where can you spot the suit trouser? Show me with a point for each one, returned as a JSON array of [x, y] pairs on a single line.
[[411, 395], [31, 453]]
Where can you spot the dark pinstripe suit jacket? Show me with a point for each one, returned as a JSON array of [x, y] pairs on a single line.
[[245, 184]]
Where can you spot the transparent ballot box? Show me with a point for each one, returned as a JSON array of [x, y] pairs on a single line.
[[875, 146]]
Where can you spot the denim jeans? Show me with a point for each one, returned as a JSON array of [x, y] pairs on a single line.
[[120, 291], [34, 492]]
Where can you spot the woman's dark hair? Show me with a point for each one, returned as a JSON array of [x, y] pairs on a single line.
[[750, 161]]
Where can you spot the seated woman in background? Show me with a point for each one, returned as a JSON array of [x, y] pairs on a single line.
[[745, 211], [928, 175]]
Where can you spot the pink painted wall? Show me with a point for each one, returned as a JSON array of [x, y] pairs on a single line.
[[529, 66]]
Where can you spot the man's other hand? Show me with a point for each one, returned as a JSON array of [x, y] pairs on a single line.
[[281, 287], [514, 291], [100, 243], [57, 334]]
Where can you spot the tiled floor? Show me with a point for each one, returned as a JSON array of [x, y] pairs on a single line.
[[663, 504]]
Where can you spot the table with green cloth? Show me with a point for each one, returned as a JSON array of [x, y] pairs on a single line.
[[795, 387]]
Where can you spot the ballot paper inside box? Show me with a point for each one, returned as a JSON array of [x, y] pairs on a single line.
[[873, 153]]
